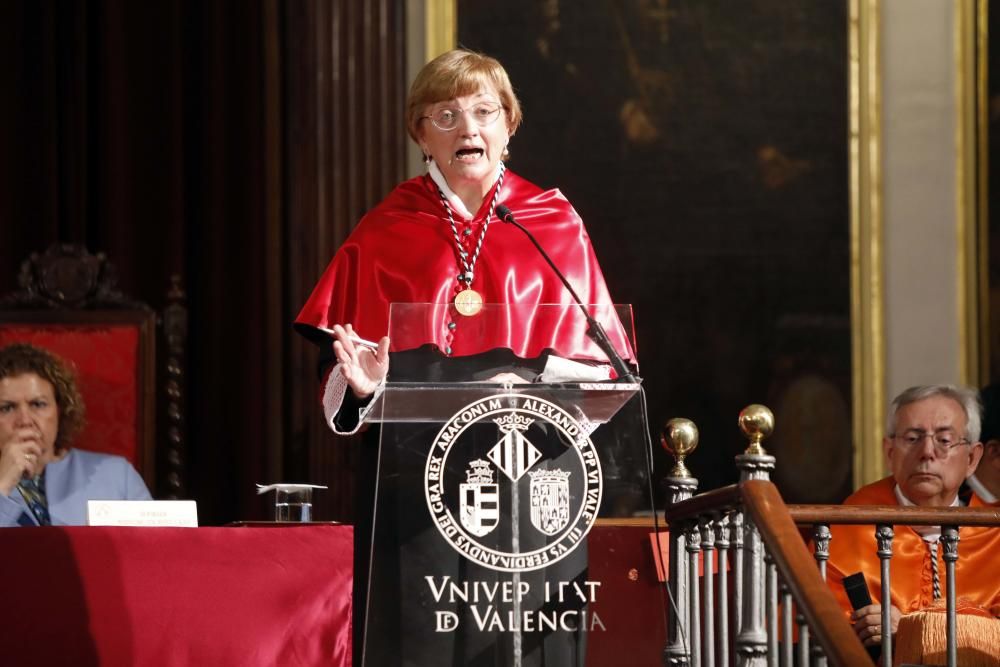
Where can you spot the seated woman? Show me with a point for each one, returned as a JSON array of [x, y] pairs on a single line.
[[43, 480]]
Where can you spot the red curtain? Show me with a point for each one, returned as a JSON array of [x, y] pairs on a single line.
[[232, 145]]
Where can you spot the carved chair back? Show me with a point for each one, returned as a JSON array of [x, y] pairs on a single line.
[[68, 302]]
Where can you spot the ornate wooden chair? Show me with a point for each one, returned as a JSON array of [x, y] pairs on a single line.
[[69, 303]]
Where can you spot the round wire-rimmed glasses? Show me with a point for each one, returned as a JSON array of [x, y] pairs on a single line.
[[447, 119], [944, 441]]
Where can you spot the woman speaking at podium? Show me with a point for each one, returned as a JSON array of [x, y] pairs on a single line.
[[436, 239]]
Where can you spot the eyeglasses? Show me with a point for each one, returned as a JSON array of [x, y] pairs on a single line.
[[447, 120], [944, 441]]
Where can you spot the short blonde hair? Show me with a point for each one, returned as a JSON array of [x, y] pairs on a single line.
[[458, 73]]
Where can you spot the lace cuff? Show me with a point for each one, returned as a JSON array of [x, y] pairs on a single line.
[[333, 402]]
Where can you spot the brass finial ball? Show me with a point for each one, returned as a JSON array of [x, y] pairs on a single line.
[[756, 422], [679, 438]]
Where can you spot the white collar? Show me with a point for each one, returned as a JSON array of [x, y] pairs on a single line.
[[980, 489], [456, 203], [929, 533]]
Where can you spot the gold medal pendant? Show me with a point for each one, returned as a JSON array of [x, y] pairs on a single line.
[[468, 302]]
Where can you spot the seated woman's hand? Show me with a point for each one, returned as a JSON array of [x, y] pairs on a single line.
[[20, 456], [363, 368]]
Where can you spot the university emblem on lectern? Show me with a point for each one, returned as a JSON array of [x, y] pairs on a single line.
[[513, 482], [480, 500]]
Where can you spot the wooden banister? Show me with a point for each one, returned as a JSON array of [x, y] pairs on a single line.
[[895, 515], [711, 501], [778, 526], [763, 504]]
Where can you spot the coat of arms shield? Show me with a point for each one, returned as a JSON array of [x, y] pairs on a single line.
[[479, 500], [549, 500]]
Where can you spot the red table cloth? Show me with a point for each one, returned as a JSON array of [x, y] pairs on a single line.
[[176, 596]]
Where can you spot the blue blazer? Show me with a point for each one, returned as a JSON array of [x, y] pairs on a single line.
[[72, 481]]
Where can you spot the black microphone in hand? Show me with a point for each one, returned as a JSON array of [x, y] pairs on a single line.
[[858, 594], [594, 329], [857, 590]]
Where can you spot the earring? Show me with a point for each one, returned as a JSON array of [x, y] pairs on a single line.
[[506, 153]]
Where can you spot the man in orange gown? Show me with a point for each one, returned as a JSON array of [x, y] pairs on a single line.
[[932, 446]]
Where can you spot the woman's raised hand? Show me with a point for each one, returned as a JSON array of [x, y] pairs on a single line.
[[362, 367]]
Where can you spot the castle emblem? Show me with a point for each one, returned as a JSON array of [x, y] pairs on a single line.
[[549, 500]]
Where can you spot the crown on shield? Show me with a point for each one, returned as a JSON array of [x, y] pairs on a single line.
[[548, 476], [512, 421], [479, 472]]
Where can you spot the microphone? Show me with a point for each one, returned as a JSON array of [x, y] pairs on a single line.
[[859, 596], [857, 590], [594, 329], [505, 214]]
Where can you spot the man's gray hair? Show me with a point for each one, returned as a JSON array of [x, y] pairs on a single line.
[[964, 396]]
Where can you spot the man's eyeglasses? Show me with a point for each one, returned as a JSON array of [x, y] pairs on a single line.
[[944, 441], [447, 120]]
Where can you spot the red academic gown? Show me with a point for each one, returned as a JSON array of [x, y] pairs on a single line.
[[403, 251], [853, 549]]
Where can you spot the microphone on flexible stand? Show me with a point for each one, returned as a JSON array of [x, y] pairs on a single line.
[[594, 329]]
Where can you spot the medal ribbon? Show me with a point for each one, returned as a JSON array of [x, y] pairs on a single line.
[[468, 266]]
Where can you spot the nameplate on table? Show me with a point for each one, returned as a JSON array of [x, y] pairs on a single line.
[[162, 513]]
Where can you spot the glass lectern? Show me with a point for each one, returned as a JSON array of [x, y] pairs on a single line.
[[486, 492]]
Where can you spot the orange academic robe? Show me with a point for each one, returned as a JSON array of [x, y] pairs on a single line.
[[853, 549]]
